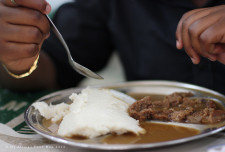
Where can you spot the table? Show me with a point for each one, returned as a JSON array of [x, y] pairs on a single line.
[[16, 136]]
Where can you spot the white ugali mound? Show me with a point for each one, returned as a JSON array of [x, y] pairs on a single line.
[[96, 112]]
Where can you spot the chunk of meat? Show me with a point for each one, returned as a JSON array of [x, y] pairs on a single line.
[[178, 107], [180, 116], [216, 116]]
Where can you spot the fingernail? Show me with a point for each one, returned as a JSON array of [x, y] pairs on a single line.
[[177, 44], [193, 61], [48, 9]]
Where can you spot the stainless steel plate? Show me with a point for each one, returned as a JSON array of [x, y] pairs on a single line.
[[34, 120]]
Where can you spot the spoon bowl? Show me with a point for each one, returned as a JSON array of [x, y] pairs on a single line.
[[76, 66]]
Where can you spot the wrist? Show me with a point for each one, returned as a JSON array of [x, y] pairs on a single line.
[[22, 73]]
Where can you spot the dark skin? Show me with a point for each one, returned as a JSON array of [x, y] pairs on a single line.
[[17, 21], [201, 32], [24, 28]]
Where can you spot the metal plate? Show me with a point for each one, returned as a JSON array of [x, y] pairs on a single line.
[[34, 120]]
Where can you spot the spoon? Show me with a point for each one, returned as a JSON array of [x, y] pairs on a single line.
[[76, 66]]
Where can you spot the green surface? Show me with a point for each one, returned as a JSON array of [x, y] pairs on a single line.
[[13, 104]]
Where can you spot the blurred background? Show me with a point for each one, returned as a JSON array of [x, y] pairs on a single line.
[[112, 73], [55, 4]]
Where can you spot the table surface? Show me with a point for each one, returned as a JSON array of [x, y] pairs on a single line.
[[16, 136]]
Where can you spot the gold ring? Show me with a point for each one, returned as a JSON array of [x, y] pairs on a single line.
[[14, 2]]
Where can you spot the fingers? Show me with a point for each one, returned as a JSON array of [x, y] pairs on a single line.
[[23, 25], [40, 5], [213, 38], [197, 40], [179, 27], [22, 51], [28, 17], [23, 34], [23, 29], [182, 34], [199, 31]]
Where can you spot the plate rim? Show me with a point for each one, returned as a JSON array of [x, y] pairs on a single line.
[[95, 146]]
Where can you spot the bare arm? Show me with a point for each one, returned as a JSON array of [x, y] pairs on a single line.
[[44, 77]]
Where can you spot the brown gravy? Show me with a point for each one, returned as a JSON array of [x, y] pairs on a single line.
[[155, 132], [154, 97]]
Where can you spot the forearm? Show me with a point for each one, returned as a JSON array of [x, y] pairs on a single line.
[[44, 77]]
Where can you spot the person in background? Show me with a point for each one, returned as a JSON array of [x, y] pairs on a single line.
[[141, 31]]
